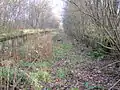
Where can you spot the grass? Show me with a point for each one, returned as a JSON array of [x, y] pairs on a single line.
[[32, 76], [89, 87], [39, 77], [35, 64], [34, 73], [61, 73], [61, 50], [97, 54], [74, 89], [38, 72], [26, 73], [11, 76]]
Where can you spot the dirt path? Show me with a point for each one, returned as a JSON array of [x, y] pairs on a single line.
[[80, 71], [75, 77]]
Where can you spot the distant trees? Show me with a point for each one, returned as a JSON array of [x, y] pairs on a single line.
[[26, 14], [41, 16], [93, 22]]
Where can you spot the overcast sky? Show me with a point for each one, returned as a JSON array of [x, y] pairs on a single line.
[[57, 7]]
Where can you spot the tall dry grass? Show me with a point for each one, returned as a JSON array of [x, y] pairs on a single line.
[[37, 47]]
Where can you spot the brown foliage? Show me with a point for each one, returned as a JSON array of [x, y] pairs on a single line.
[[40, 44], [96, 19], [35, 46]]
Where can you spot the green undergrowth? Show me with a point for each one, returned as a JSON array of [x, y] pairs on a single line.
[[61, 73], [36, 73], [37, 64], [61, 50], [13, 74], [39, 77], [97, 53], [26, 77], [89, 87]]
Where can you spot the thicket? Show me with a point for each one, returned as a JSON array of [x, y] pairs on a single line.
[[24, 14], [96, 23]]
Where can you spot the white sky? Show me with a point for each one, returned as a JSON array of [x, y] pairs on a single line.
[[57, 7]]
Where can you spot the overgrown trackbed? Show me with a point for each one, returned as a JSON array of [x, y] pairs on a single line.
[[70, 68], [76, 70]]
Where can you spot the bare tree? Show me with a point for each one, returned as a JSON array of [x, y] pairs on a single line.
[[26, 14], [94, 21]]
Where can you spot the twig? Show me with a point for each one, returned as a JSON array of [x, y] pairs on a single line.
[[106, 29], [114, 84], [109, 65], [105, 46], [26, 70]]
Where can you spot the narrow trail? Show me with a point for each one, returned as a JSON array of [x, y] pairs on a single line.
[[82, 72], [78, 76]]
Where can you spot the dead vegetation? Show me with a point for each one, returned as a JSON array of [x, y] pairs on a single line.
[[86, 58]]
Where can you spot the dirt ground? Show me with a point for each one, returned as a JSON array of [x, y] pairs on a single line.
[[85, 73], [73, 69]]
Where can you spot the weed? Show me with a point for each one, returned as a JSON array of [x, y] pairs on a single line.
[[61, 73], [26, 77], [97, 54], [13, 73], [88, 87], [22, 51], [61, 50], [40, 76], [25, 64], [74, 89], [43, 64], [38, 64]]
